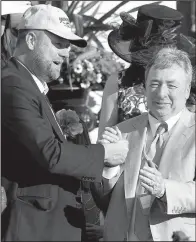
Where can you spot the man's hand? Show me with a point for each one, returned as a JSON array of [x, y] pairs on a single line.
[[152, 180], [110, 135], [116, 147], [115, 153], [94, 232]]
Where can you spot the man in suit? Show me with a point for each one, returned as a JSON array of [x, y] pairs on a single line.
[[41, 170], [153, 193]]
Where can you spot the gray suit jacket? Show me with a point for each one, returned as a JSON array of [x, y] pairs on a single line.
[[177, 166]]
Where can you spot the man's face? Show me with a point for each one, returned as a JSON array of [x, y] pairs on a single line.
[[51, 51], [167, 91]]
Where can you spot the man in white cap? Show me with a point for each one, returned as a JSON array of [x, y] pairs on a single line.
[[40, 168], [11, 13]]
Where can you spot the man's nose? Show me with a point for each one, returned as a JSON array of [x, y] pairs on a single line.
[[162, 91], [64, 53]]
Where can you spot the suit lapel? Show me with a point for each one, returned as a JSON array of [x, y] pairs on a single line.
[[133, 161], [177, 139], [51, 118], [180, 134], [32, 85], [116, 223]]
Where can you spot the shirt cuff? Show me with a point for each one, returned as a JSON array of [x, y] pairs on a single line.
[[110, 172]]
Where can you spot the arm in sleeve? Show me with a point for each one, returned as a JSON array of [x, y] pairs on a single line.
[[22, 116], [179, 197]]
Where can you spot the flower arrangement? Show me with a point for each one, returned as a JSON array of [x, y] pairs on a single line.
[[91, 66], [69, 121]]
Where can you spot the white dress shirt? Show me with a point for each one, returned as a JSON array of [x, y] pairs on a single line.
[[154, 123]]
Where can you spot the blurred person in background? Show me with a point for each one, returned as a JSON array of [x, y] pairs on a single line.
[[41, 170], [11, 13]]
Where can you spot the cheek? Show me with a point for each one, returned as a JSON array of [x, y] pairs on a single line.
[[46, 50], [150, 94], [178, 97]]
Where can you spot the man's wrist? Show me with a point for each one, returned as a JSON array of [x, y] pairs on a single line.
[[111, 172], [162, 193]]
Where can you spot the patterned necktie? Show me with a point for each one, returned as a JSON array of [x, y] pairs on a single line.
[[157, 142], [155, 147]]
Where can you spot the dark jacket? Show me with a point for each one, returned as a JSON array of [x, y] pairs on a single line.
[[43, 168]]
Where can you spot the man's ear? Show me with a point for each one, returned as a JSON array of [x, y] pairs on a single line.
[[188, 90], [31, 40]]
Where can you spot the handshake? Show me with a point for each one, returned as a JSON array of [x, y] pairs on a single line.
[[116, 147]]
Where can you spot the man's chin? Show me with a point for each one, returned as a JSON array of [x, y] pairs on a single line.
[[161, 115], [54, 77]]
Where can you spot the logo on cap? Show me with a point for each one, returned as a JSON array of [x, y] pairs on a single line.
[[65, 21]]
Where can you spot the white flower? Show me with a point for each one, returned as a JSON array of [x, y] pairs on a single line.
[[99, 78], [90, 67], [78, 68], [85, 85]]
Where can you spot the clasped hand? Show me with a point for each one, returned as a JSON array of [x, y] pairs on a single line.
[[152, 180], [116, 147]]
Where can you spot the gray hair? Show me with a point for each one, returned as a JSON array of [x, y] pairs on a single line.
[[168, 56]]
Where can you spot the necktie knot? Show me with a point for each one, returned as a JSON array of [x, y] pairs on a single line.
[[163, 127], [157, 141]]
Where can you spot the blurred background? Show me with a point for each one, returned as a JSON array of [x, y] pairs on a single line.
[[80, 86]]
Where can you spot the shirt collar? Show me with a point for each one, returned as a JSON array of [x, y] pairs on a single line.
[[154, 123], [43, 87]]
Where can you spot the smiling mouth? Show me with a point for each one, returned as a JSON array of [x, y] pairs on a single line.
[[161, 104]]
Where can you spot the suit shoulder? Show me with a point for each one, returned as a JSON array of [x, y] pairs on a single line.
[[191, 117], [10, 76], [13, 77]]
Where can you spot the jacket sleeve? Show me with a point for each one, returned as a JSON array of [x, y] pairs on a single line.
[[22, 116], [180, 197], [180, 193]]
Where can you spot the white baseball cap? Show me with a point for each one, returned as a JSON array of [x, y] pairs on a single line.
[[52, 19], [11, 7]]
